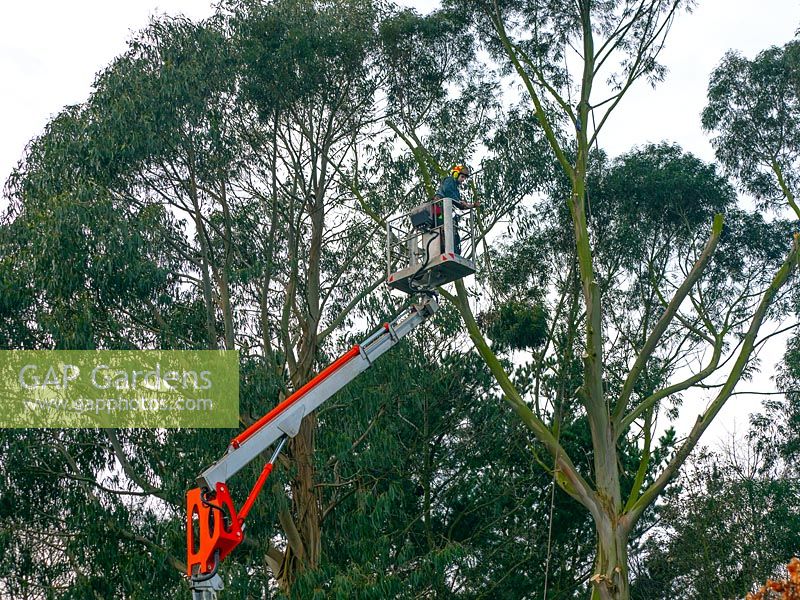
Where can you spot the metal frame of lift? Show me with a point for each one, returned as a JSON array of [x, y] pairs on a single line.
[[421, 255]]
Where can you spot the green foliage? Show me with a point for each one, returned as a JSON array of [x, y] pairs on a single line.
[[775, 431], [516, 168], [420, 55], [203, 196], [87, 272], [656, 195], [297, 53], [224, 185], [754, 111], [177, 76], [651, 210], [122, 219], [517, 325]]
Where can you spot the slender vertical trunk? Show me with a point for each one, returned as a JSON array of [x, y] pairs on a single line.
[[205, 266], [224, 280], [610, 580], [305, 500], [270, 207], [208, 301]]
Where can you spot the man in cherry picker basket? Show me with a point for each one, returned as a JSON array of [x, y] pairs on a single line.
[[450, 188]]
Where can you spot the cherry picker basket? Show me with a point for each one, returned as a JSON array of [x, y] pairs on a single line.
[[429, 246]]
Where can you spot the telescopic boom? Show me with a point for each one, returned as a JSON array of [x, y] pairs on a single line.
[[214, 527]]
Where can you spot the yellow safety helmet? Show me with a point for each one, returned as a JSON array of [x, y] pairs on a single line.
[[459, 170]]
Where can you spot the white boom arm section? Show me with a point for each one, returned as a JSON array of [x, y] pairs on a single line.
[[209, 506]]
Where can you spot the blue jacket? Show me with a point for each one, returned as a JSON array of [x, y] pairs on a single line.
[[449, 189]]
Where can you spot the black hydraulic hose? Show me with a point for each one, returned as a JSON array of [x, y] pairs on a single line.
[[204, 499], [211, 573]]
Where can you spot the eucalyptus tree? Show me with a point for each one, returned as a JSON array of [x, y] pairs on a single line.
[[754, 114], [646, 208], [233, 152], [695, 301], [82, 270], [309, 76], [157, 185], [360, 78]]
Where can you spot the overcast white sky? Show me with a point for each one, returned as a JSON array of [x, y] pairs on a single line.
[[50, 51]]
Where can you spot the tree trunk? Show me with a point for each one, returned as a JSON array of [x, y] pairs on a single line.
[[610, 580], [305, 542]]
